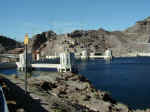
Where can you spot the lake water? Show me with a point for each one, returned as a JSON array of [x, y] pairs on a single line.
[[126, 79]]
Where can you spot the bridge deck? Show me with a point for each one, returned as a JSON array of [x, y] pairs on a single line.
[[97, 56], [44, 65]]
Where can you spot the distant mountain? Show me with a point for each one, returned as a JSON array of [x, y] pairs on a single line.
[[120, 42], [8, 44]]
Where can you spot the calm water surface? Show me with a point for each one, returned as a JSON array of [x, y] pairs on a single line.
[[126, 79]]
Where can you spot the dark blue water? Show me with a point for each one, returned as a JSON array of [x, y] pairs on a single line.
[[8, 71], [126, 79]]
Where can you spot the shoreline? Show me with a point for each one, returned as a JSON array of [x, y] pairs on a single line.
[[63, 92]]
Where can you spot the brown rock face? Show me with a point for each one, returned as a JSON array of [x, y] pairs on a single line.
[[40, 39], [78, 33], [120, 42], [140, 27]]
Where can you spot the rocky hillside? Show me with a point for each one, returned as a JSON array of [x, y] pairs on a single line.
[[121, 43], [140, 32], [40, 39], [8, 44]]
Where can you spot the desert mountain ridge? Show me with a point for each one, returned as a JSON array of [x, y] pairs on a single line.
[[130, 40]]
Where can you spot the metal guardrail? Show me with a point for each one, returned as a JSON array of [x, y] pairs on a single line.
[[3, 103]]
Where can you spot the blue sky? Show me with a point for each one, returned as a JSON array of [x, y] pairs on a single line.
[[18, 17]]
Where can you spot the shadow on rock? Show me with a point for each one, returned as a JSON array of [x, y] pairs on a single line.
[[17, 100]]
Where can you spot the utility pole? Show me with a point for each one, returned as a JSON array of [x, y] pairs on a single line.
[[26, 40]]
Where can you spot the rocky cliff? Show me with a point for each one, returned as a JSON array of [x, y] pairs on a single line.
[[37, 40], [140, 32], [121, 43]]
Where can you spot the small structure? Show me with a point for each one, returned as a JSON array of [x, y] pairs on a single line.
[[64, 65], [84, 54], [21, 64], [65, 62], [52, 57], [108, 54], [92, 54]]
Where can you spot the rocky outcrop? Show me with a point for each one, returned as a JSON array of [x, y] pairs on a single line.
[[120, 42], [140, 32], [99, 40], [39, 39], [58, 92], [79, 40], [78, 33], [140, 27]]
